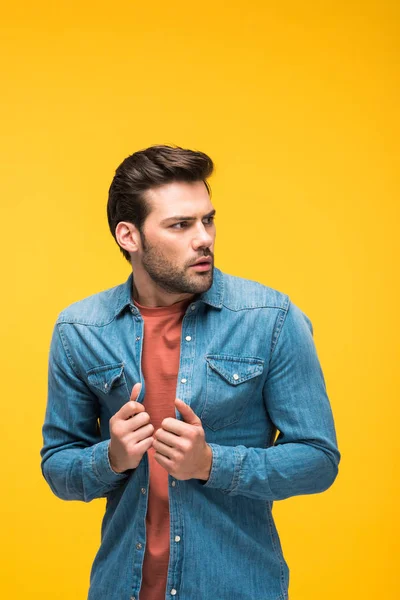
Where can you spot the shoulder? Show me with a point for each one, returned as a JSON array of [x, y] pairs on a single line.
[[97, 309], [241, 293]]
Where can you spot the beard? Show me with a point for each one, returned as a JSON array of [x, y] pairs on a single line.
[[171, 278]]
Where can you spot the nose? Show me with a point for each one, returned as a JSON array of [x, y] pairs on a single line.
[[202, 237]]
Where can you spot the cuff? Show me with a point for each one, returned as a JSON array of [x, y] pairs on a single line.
[[101, 464], [225, 467]]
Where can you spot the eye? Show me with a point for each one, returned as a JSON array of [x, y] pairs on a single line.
[[210, 220], [183, 223]]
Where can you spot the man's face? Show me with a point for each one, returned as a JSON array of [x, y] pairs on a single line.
[[179, 231]]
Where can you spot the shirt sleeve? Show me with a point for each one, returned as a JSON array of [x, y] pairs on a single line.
[[75, 461], [304, 458]]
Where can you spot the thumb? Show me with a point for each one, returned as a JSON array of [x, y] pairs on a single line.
[[189, 416], [135, 391]]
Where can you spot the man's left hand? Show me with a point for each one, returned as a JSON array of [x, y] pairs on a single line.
[[180, 446]]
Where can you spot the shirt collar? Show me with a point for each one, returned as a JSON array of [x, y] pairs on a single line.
[[213, 296]]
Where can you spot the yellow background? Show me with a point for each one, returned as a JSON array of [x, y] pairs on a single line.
[[297, 104]]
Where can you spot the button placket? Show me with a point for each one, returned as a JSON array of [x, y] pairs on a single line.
[[186, 364], [138, 347], [177, 492]]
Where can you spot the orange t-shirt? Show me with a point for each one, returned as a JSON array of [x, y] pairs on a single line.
[[160, 366]]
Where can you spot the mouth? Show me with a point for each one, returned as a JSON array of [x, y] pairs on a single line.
[[202, 265]]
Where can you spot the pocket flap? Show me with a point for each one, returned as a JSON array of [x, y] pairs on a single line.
[[106, 377], [236, 369]]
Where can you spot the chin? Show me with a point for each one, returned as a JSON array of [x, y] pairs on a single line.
[[205, 283]]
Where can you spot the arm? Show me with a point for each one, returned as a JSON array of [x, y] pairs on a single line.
[[75, 461], [304, 458]]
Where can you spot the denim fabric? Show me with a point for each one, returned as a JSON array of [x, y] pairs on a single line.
[[249, 369]]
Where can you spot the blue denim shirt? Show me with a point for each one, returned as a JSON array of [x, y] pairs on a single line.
[[249, 369]]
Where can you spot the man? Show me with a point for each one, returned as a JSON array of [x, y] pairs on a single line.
[[165, 397]]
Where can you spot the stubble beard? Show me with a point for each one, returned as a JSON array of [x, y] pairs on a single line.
[[171, 279]]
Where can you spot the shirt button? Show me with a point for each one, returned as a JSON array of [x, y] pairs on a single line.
[[137, 338], [188, 338], [173, 483], [177, 538], [183, 380], [105, 386], [193, 307], [173, 592], [133, 598], [143, 490], [139, 546], [235, 376]]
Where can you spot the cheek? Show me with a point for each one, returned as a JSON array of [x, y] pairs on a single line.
[[171, 250]]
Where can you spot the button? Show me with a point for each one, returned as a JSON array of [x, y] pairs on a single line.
[[139, 546], [235, 376], [173, 592], [188, 338], [132, 598], [137, 338], [173, 483], [183, 380], [193, 307], [143, 490], [105, 386], [177, 538]]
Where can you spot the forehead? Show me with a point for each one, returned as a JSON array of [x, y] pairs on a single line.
[[179, 198]]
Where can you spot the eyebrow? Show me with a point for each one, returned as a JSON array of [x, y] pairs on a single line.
[[182, 218]]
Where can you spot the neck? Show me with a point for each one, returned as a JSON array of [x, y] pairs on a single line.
[[156, 297]]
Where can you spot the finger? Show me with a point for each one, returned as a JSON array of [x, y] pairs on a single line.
[[176, 426], [189, 416], [145, 444], [171, 439], [143, 432], [135, 391], [127, 426], [129, 409], [162, 460], [163, 449]]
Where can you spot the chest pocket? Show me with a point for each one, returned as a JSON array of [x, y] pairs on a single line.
[[109, 384], [231, 382]]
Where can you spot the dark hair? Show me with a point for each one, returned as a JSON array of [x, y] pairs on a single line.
[[149, 168]]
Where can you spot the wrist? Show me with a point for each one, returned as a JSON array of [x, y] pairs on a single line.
[[208, 463], [110, 462]]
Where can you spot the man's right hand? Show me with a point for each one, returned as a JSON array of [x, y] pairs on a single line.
[[130, 431]]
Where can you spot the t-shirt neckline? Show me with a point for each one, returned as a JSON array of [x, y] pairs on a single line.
[[155, 311]]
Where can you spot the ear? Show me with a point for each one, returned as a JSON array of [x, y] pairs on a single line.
[[128, 236]]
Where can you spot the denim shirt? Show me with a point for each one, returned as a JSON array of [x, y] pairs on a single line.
[[249, 369]]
